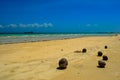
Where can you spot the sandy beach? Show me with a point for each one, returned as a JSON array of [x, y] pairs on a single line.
[[39, 60]]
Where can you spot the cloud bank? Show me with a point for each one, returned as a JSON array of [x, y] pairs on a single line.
[[91, 25], [34, 25]]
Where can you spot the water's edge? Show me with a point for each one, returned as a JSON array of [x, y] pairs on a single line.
[[23, 38]]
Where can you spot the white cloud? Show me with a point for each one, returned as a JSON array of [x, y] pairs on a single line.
[[1, 26], [88, 25], [91, 25], [95, 24], [12, 25], [50, 24], [36, 25], [45, 25], [22, 25]]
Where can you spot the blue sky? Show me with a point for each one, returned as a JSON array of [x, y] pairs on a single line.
[[60, 15]]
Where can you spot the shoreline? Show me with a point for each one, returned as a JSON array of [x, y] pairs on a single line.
[[24, 40]]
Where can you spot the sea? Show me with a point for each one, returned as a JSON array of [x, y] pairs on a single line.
[[35, 37]]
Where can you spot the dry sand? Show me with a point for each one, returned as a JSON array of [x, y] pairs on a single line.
[[39, 60]]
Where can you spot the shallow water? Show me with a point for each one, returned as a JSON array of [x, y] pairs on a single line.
[[18, 38]]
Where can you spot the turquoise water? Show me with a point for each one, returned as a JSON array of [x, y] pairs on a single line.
[[17, 38], [39, 35]]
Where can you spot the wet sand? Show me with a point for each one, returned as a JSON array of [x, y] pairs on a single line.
[[39, 60]]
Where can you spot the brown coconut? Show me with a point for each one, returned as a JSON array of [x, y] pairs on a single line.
[[63, 63]]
